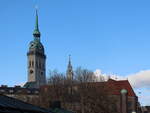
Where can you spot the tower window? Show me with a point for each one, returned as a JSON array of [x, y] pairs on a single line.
[[31, 71], [36, 64], [40, 65], [32, 64], [29, 63]]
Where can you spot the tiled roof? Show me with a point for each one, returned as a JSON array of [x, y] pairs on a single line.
[[12, 105], [116, 86]]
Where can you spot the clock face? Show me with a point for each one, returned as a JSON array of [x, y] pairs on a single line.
[[40, 47], [32, 45], [31, 71]]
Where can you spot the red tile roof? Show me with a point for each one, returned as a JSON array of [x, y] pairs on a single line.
[[116, 86]]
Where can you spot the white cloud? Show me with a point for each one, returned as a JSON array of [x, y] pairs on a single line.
[[140, 79], [100, 76]]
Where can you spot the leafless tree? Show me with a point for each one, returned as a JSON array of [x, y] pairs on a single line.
[[83, 94], [93, 95]]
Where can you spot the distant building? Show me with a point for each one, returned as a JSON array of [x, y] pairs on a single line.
[[25, 94]]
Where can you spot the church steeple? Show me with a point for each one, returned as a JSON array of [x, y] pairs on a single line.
[[36, 32], [36, 59], [70, 69]]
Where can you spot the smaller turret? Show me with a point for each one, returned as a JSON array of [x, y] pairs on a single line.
[[69, 70]]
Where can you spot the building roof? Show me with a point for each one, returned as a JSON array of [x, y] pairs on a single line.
[[116, 86], [11, 105], [30, 85]]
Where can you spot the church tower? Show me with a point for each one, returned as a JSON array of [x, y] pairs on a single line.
[[69, 72], [36, 60]]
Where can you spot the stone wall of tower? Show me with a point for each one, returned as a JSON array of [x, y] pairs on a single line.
[[36, 68], [31, 68], [40, 70]]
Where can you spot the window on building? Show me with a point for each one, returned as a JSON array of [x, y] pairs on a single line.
[[29, 63], [11, 91], [32, 64], [19, 91], [28, 91], [40, 65], [36, 92], [2, 90], [36, 64], [129, 104]]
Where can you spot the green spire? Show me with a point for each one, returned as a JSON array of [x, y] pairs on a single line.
[[36, 32]]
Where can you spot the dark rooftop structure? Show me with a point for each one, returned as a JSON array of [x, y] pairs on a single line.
[[11, 105], [60, 110]]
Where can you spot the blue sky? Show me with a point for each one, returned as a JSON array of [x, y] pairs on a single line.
[[111, 35]]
